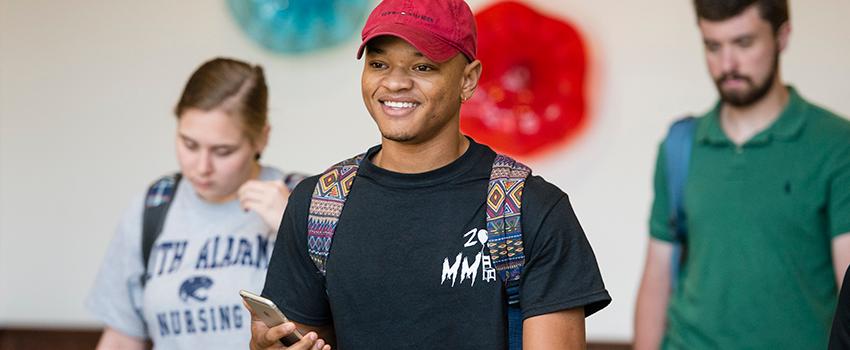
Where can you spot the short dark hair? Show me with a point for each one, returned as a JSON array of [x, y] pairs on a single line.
[[773, 11]]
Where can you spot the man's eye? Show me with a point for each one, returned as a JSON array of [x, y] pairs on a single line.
[[376, 65], [745, 42], [423, 68]]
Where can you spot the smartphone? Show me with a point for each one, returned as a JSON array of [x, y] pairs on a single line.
[[267, 311]]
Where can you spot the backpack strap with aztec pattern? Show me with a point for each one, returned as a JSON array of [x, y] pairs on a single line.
[[326, 206], [504, 224], [504, 228]]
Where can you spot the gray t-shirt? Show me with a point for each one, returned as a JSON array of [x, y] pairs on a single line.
[[205, 254]]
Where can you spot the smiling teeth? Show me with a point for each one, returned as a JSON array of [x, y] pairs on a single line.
[[395, 104]]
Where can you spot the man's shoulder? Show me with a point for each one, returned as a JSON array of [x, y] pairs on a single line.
[[828, 123], [540, 195], [693, 122], [303, 193], [537, 184], [306, 185], [827, 132]]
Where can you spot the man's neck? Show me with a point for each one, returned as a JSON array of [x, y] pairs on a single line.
[[742, 123], [420, 157]]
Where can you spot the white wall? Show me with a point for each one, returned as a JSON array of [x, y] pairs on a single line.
[[87, 87]]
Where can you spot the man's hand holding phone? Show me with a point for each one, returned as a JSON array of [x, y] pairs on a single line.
[[270, 329], [265, 338]]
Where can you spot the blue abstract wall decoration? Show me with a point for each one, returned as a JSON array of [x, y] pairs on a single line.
[[298, 26]]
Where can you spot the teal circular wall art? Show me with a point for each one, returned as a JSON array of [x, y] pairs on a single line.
[[297, 26]]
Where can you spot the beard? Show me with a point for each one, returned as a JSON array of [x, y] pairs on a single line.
[[752, 95]]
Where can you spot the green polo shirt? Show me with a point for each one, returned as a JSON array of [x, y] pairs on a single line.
[[761, 217]]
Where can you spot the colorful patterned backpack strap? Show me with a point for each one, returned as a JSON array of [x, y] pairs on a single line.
[[157, 201], [326, 207], [504, 227], [504, 202]]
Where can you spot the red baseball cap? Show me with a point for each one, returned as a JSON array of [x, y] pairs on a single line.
[[437, 28]]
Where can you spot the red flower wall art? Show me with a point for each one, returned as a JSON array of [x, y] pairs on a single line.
[[531, 96]]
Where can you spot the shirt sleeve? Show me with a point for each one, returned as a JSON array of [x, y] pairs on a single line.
[[659, 220], [293, 283], [116, 297], [840, 335], [560, 271], [839, 194]]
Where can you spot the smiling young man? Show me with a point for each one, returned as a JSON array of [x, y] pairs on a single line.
[[409, 266], [766, 198]]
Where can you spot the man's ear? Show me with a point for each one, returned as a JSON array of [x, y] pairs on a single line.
[[471, 75], [782, 35]]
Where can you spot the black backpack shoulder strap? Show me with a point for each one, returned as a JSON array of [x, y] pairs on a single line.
[[157, 201]]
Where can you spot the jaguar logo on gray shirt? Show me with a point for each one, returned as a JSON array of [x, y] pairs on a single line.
[[195, 288]]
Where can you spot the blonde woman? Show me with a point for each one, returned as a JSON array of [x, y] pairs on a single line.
[[217, 230]]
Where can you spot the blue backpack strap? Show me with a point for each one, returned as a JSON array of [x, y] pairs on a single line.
[[504, 227], [677, 152], [157, 201], [326, 206]]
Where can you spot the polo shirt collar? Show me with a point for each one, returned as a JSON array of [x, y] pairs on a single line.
[[789, 124]]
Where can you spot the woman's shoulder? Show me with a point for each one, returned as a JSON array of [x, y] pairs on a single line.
[[290, 178]]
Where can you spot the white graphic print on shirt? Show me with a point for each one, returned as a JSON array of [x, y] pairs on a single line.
[[468, 270]]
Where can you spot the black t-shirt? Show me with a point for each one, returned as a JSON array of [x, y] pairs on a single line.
[[407, 270], [840, 338]]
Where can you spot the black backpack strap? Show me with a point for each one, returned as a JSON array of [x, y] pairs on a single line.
[[157, 201]]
